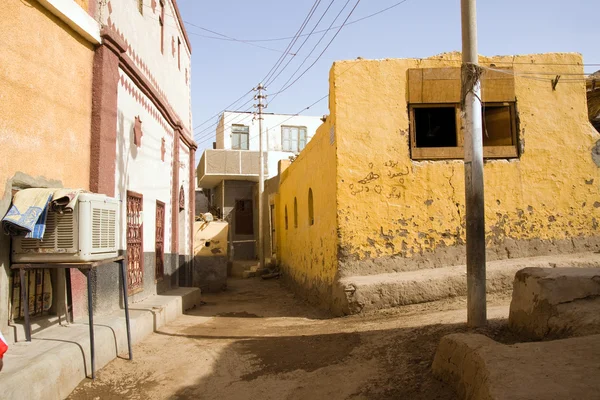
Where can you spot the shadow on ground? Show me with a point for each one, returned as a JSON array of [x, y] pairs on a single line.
[[256, 341]]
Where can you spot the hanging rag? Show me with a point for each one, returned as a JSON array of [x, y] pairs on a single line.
[[27, 214], [63, 200]]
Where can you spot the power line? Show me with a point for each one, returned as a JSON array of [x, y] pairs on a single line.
[[232, 39], [283, 89], [293, 41], [284, 121], [308, 37], [277, 63], [313, 49], [315, 32], [217, 114], [209, 129]]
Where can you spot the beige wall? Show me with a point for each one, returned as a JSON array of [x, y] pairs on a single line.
[[45, 110], [45, 87]]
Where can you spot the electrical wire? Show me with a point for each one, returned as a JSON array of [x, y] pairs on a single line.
[[313, 49], [219, 113], [283, 89], [304, 42], [281, 58], [232, 39], [316, 32], [293, 41], [284, 121], [208, 129]]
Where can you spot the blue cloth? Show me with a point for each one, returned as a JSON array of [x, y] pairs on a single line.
[[27, 215]]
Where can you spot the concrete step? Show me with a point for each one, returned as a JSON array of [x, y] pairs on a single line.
[[372, 292], [58, 358], [244, 268]]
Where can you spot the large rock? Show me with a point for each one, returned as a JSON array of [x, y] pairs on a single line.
[[481, 369], [555, 302]]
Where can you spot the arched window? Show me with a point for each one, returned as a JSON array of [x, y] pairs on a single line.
[[311, 211], [286, 218], [295, 213]]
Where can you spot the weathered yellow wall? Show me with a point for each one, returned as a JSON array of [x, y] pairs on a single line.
[[45, 97], [392, 210], [308, 253]]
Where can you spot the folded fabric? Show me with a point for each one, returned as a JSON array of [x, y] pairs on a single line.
[[27, 214], [63, 200]]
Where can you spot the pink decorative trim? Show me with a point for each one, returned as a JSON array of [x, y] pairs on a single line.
[[137, 60], [144, 102]]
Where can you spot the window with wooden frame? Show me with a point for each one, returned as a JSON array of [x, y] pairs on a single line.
[[436, 130], [293, 138], [239, 137]]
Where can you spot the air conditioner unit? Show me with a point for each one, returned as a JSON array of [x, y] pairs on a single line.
[[89, 233]]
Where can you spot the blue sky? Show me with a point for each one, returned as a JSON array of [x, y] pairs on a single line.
[[222, 71]]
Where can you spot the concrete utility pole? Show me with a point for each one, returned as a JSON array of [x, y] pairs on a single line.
[[471, 96], [261, 179]]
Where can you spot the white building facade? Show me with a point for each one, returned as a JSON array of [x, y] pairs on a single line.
[[284, 135], [154, 149], [229, 172]]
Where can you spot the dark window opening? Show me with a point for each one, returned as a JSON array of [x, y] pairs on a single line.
[[435, 127], [286, 218]]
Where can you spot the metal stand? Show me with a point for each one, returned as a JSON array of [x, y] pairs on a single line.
[[85, 268], [126, 303]]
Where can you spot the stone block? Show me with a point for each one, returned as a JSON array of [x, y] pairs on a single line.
[[555, 302], [480, 368]]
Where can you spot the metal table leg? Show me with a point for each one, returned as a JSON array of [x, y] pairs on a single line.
[[25, 301], [91, 322], [126, 303]]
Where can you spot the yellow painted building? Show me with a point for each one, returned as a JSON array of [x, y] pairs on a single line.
[[387, 178], [45, 106]]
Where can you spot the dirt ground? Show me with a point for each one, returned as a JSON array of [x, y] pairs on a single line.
[[258, 341]]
